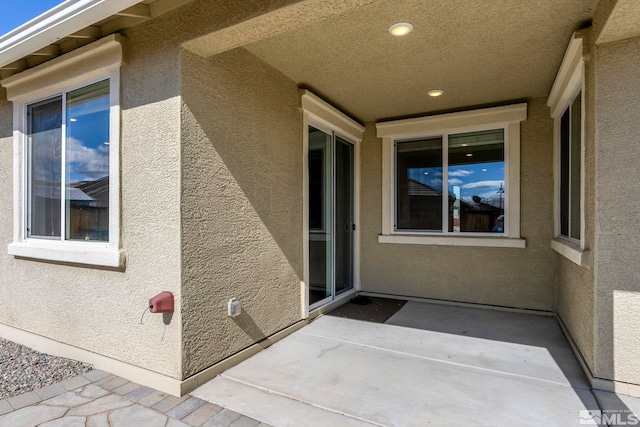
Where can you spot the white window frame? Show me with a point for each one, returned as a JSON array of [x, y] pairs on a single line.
[[323, 116], [95, 62], [507, 118], [568, 83]]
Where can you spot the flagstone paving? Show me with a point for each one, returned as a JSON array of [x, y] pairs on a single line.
[[99, 399]]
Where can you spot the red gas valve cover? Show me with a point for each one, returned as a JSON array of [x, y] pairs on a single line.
[[161, 303]]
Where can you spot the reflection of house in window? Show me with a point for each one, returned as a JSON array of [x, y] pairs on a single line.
[[478, 214], [89, 205]]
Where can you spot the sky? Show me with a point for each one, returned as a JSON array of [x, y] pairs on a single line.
[[18, 12]]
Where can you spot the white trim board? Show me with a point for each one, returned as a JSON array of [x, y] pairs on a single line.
[[97, 61], [507, 117], [55, 24], [321, 114]]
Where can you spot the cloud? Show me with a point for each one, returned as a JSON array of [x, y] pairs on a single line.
[[86, 162], [455, 181], [483, 184], [461, 172], [436, 182]]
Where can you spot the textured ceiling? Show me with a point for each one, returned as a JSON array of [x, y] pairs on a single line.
[[479, 52]]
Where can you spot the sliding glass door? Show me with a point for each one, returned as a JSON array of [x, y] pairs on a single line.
[[331, 216]]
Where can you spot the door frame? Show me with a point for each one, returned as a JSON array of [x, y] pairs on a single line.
[[325, 117]]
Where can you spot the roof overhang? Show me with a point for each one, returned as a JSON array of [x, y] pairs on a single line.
[[55, 24]]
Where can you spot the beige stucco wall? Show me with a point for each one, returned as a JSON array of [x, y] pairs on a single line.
[[617, 263], [575, 298], [100, 309], [499, 276], [242, 204]]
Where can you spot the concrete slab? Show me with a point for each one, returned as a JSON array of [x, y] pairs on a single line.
[[270, 408], [555, 364], [619, 403], [431, 366], [533, 345]]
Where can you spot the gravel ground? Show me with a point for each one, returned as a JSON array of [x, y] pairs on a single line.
[[23, 369]]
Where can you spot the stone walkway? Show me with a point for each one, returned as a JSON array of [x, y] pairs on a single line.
[[99, 399]]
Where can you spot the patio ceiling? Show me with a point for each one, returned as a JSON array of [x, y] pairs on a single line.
[[479, 53]]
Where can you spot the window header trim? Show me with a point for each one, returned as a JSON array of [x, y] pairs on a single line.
[[100, 57], [453, 122]]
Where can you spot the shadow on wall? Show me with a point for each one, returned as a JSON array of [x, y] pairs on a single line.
[[6, 115], [252, 139], [249, 326]]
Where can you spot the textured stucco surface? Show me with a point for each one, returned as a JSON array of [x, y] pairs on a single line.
[[500, 276], [242, 203], [623, 20], [97, 309], [575, 298], [479, 53], [617, 266]]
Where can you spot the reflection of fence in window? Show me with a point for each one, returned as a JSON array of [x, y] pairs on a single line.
[[475, 180]]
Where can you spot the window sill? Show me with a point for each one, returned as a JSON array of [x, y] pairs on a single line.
[[95, 254], [477, 241], [570, 250]]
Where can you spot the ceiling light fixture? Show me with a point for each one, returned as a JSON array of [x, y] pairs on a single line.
[[436, 92], [469, 154], [400, 29]]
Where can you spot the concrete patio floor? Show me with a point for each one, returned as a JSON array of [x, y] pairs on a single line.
[[426, 365]]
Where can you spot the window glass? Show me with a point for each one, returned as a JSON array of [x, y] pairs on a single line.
[[570, 168], [45, 148], [84, 141], [419, 184], [476, 182], [576, 137], [87, 163]]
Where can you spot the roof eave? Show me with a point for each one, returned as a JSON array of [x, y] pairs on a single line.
[[55, 24]]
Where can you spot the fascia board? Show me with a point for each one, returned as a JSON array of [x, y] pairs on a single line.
[[55, 24]]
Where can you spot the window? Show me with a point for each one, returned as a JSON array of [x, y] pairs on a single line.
[[570, 167], [68, 165], [566, 102], [66, 153], [453, 179], [474, 200]]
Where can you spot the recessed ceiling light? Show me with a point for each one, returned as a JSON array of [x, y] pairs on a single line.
[[464, 145], [469, 154], [435, 92], [400, 29]]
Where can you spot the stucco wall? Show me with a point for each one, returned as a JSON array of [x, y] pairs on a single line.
[[617, 266], [242, 203], [499, 276], [99, 309]]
